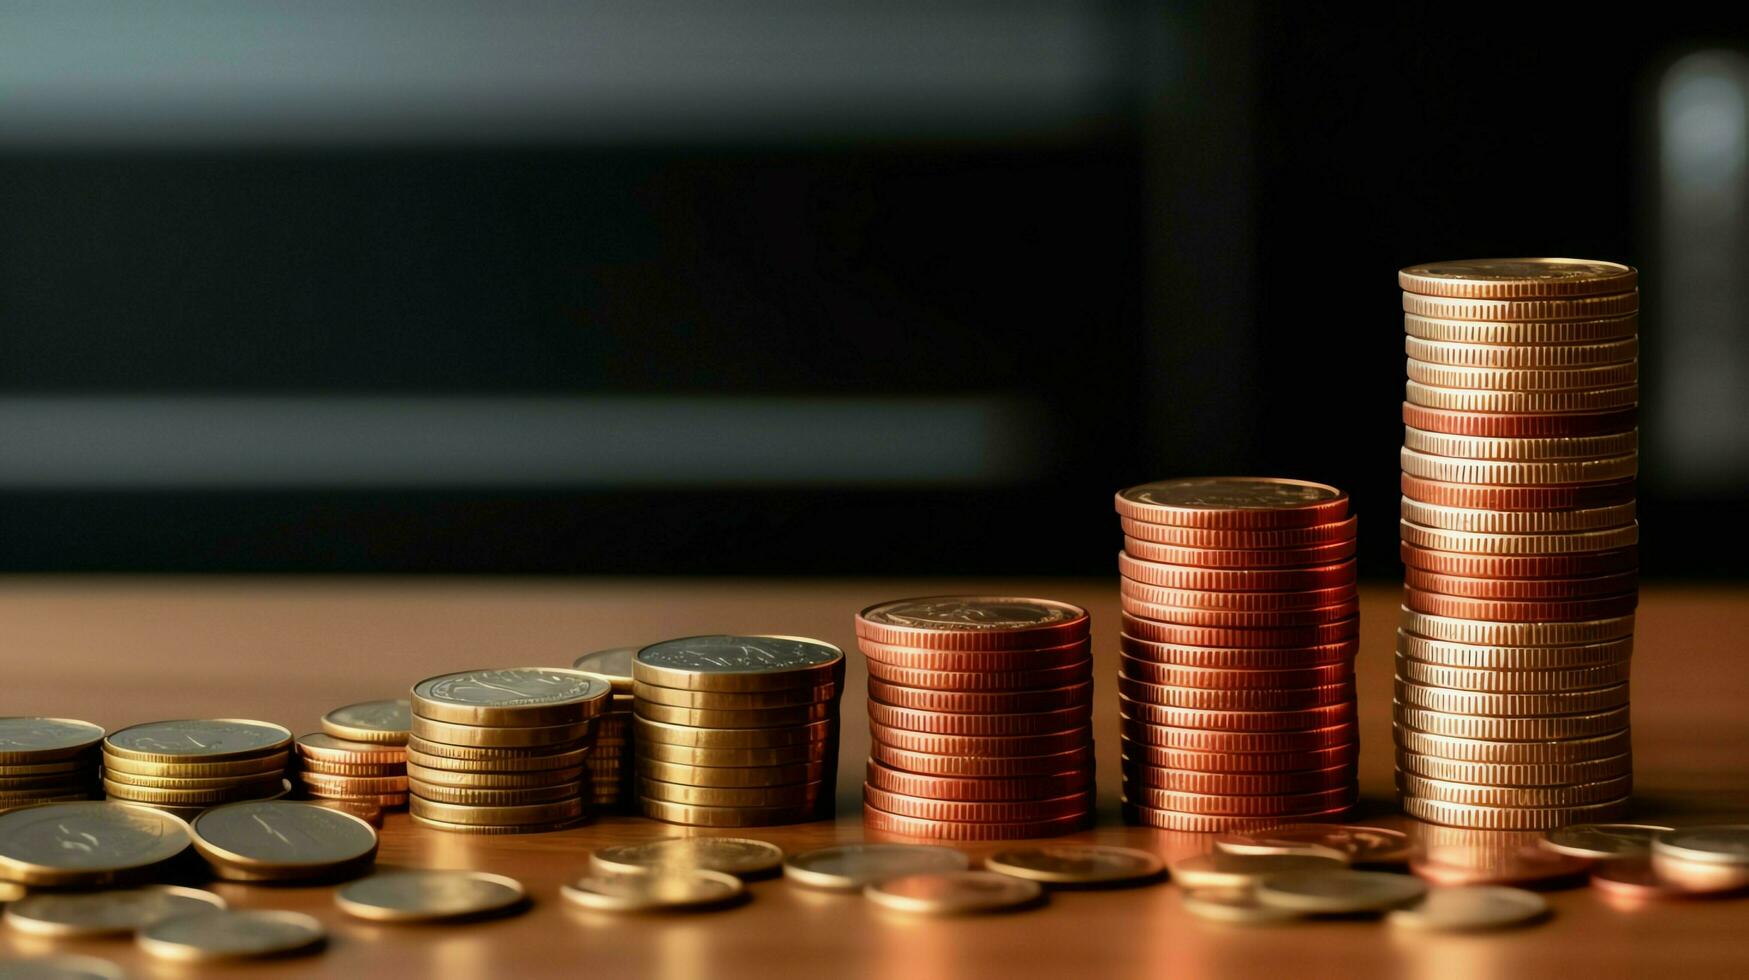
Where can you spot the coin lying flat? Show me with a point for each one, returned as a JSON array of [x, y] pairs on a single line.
[[230, 935], [1233, 905], [40, 740], [282, 840], [739, 856], [87, 844], [196, 739], [1076, 864], [1604, 840], [733, 663], [429, 896], [1338, 892], [1223, 870], [381, 722], [1471, 907], [650, 892], [852, 867], [106, 913], [1349, 843], [614, 663], [953, 892], [521, 696], [1727, 844], [64, 966]]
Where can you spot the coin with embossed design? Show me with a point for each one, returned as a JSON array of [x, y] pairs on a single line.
[[739, 856], [87, 844], [43, 740], [106, 913], [526, 697], [430, 896], [197, 740], [736, 663], [232, 935], [282, 840], [385, 722]]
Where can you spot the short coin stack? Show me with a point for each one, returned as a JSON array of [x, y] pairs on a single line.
[[980, 710], [1236, 685], [184, 767], [1519, 536], [737, 731], [502, 751], [358, 763], [613, 766], [47, 760]]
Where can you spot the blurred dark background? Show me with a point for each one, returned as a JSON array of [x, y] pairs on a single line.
[[820, 288]]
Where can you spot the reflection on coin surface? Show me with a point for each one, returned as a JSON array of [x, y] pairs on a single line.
[[1223, 870], [855, 866], [86, 843], [1354, 844], [729, 654], [1469, 907], [1339, 892], [614, 663], [1604, 840], [739, 856], [427, 896], [514, 695], [106, 913], [1726, 844], [1232, 905], [1639, 879], [653, 891], [64, 966], [205, 739], [1232, 493], [1080, 864], [232, 935], [45, 739], [953, 892], [282, 835], [371, 721], [973, 613]]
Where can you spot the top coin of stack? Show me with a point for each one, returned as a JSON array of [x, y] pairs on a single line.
[[1237, 676], [502, 751], [184, 767], [737, 731], [612, 765], [980, 709], [47, 759], [1519, 461]]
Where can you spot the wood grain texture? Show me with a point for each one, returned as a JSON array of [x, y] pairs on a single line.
[[122, 651]]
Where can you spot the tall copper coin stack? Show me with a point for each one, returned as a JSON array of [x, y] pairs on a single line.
[[613, 765], [737, 731], [1518, 532], [1236, 686], [980, 709], [502, 751]]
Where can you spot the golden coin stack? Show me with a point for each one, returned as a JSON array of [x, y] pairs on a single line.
[[502, 751], [358, 763], [1518, 532], [613, 764], [1236, 685], [737, 731], [46, 760], [184, 767]]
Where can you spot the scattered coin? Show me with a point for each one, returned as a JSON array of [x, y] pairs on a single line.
[[739, 856], [1233, 905], [1339, 892], [87, 844], [1489, 863], [1728, 844], [1638, 879], [385, 722], [1349, 843], [429, 896], [614, 663], [1076, 864], [1471, 907], [106, 913], [953, 892], [283, 840], [852, 867], [654, 891], [1223, 870], [62, 966], [230, 935], [1604, 840]]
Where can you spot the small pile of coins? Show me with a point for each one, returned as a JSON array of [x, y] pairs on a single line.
[[184, 767], [47, 759], [613, 764], [358, 762], [1636, 863], [736, 731], [1519, 459], [502, 751], [1236, 684], [980, 709]]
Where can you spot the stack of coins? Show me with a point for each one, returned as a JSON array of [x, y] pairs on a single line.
[[980, 709], [47, 760], [358, 763], [502, 751], [1240, 618], [737, 731], [613, 765], [184, 767], [1518, 533]]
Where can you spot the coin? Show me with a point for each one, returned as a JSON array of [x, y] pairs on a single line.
[[1244, 639], [430, 896], [1167, 757], [732, 777], [1505, 775], [1238, 905], [1507, 402], [1236, 721], [496, 797], [732, 663], [493, 830], [953, 892], [1267, 784], [1523, 332], [982, 767], [355, 785], [1012, 788], [1590, 587], [1531, 449], [693, 815], [1521, 355], [614, 663], [466, 758], [225, 935], [1471, 907], [1234, 503], [62, 966], [1527, 729], [1494, 703], [980, 745], [1075, 672], [1639, 879], [196, 740], [1724, 844], [42, 740], [1510, 278], [1523, 379], [1339, 654], [1505, 752], [1076, 864], [1204, 740], [790, 697], [1236, 579], [731, 738], [386, 722], [1511, 818], [1240, 699], [1711, 877], [1576, 496], [1288, 539], [322, 747], [1202, 823], [342, 769], [1348, 843], [980, 702], [1296, 804], [975, 661], [739, 856], [795, 794], [1476, 543], [787, 755], [523, 697], [1515, 634], [498, 736], [107, 912], [958, 723], [1141, 547], [668, 890], [1498, 310], [254, 789], [986, 623], [1222, 869], [764, 718], [1239, 619], [516, 779], [1240, 601], [87, 844], [979, 811], [1217, 679], [282, 840], [1338, 892], [520, 816], [1519, 426], [365, 810], [851, 867]]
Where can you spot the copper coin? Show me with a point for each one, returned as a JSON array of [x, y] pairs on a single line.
[[1241, 638], [981, 745], [1636, 878], [1523, 865], [1205, 740], [1513, 681], [1514, 658], [1216, 679], [356, 785], [1238, 784], [972, 623], [1021, 811], [1521, 355], [1523, 331], [1339, 655], [1241, 539], [949, 723], [1009, 789], [1202, 823], [1513, 310], [1521, 566], [1236, 619], [1239, 558], [980, 702], [1520, 425], [1504, 774], [1240, 762], [975, 661], [1504, 279], [1525, 611], [1358, 845], [322, 747], [341, 769], [1500, 751], [1235, 580], [920, 678], [1513, 634], [1521, 589], [1511, 818], [983, 767], [1237, 721], [1234, 503], [1214, 599], [1577, 496], [1240, 699], [1296, 804], [883, 822]]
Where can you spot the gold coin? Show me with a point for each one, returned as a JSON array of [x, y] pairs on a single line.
[[524, 815], [1479, 633], [356, 785], [792, 697], [1076, 864], [1511, 278], [1350, 844], [731, 738], [1501, 310], [797, 794], [1444, 444], [1601, 791], [1510, 818], [62, 966], [787, 755], [1506, 752], [614, 663], [493, 829], [1515, 681], [1723, 844], [732, 777], [693, 815], [1339, 892], [1585, 656], [87, 844], [529, 779], [495, 797], [1474, 400], [240, 768], [1467, 908], [435, 755], [221, 783], [738, 856], [649, 892], [323, 747], [282, 840], [1529, 333], [1222, 869], [24, 786], [29, 741], [342, 769], [1499, 774], [1603, 841], [369, 812], [492, 736], [106, 913], [430, 896], [760, 719], [385, 722], [1451, 469], [1510, 705], [197, 740], [1523, 379], [231, 792], [521, 697], [374, 799], [1237, 905], [31, 770], [953, 892], [1521, 355], [1535, 729], [10, 891], [739, 663], [229, 935]]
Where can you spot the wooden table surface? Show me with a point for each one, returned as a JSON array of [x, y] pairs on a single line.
[[121, 651]]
